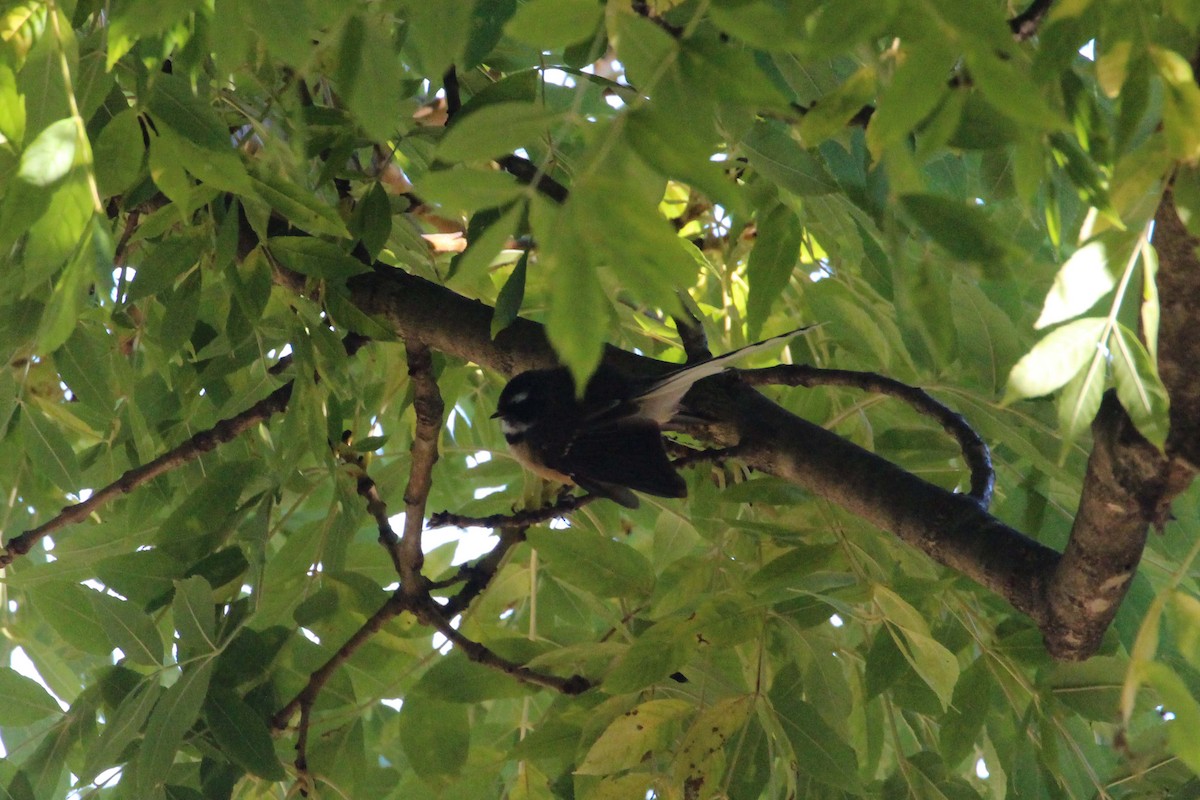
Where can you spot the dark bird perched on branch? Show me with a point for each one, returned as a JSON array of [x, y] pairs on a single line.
[[610, 441]]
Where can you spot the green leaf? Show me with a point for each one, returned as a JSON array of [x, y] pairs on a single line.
[[173, 103], [819, 752], [1087, 276], [1079, 402], [1151, 310], [830, 114], [192, 610], [512, 295], [198, 523], [929, 658], [137, 18], [50, 156], [300, 205], [57, 234], [129, 628], [25, 701], [485, 241], [595, 563], [964, 230], [1055, 359], [242, 734], [164, 264], [373, 76], [142, 576], [1091, 688], [12, 107], [457, 679], [46, 446], [653, 656], [632, 736], [119, 153], [496, 130], [285, 27], [578, 305], [783, 161], [1177, 698], [172, 717], [69, 610], [1181, 103], [772, 261], [551, 24], [373, 217], [969, 709], [66, 301], [315, 257], [123, 726], [916, 89], [655, 137], [435, 736], [1139, 388]]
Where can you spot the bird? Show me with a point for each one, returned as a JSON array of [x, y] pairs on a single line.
[[609, 442]]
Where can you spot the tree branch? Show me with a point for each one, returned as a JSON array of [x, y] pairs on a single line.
[[953, 529], [974, 449], [224, 431], [1025, 24], [1129, 484], [428, 405], [520, 519], [430, 614]]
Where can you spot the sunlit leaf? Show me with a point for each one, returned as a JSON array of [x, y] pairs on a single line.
[[1055, 359], [1139, 388]]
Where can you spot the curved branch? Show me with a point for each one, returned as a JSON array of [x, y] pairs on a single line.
[[974, 449], [953, 529]]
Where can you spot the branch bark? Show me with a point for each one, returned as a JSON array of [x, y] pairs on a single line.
[[1071, 597]]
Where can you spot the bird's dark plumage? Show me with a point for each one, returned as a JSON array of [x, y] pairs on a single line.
[[609, 441]]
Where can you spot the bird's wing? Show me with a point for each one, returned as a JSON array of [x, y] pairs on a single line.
[[625, 453], [661, 400]]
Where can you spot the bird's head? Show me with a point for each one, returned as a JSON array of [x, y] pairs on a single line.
[[530, 397]]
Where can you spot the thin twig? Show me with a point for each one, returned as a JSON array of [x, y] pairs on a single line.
[[377, 508], [1025, 24], [520, 519], [431, 614], [224, 431], [527, 172], [453, 96], [974, 449], [691, 334], [476, 577], [392, 608]]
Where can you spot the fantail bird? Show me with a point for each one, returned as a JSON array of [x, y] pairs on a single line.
[[610, 441]]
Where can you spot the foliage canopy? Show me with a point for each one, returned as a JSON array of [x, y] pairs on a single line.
[[243, 244]]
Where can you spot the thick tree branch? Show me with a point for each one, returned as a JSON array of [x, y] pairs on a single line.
[[951, 528], [1129, 484]]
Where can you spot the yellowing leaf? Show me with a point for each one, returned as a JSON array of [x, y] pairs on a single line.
[[631, 736]]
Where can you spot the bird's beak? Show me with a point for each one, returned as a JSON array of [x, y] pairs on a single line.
[[497, 415]]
